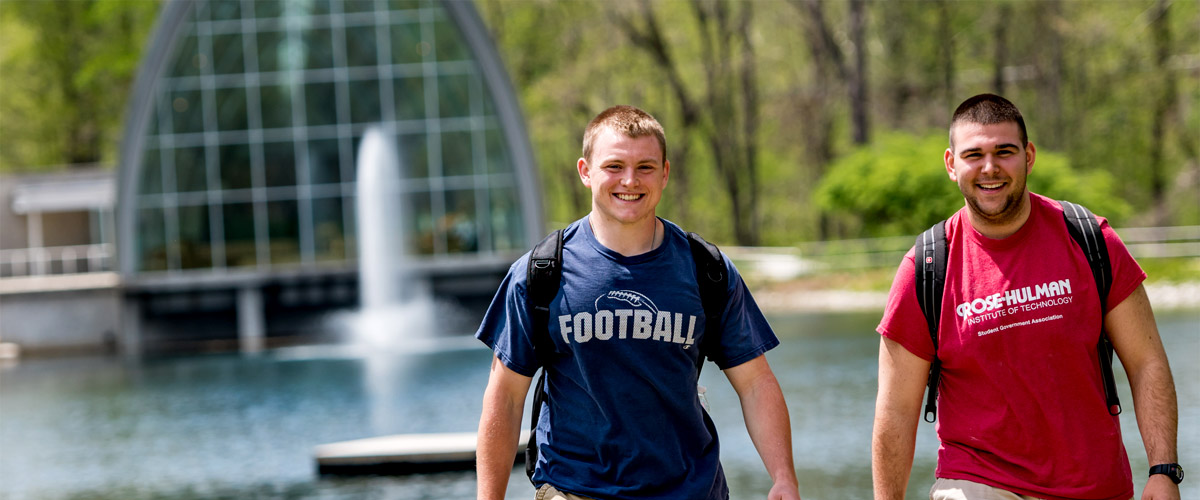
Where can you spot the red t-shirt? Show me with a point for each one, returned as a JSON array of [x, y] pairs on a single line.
[[1020, 405]]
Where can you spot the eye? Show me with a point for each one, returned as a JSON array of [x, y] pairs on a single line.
[[972, 156], [1005, 152]]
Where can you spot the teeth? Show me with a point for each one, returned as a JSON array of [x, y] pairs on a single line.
[[991, 186], [628, 197]]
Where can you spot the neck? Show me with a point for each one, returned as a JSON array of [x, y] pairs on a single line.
[[627, 239], [1000, 229]]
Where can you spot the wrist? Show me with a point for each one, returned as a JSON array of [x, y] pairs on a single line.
[[1170, 471], [789, 482]]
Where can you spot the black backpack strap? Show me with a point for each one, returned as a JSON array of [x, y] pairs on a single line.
[[713, 282], [542, 283], [1085, 229], [929, 255]]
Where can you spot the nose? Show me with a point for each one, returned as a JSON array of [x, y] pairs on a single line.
[[989, 165], [629, 177]]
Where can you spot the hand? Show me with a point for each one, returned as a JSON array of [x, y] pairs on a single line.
[[788, 491], [1160, 487]]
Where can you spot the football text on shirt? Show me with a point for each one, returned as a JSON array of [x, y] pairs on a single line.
[[663, 326]]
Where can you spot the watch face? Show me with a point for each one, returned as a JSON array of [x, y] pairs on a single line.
[[1172, 471]]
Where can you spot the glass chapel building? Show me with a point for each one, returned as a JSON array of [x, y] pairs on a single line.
[[236, 190]]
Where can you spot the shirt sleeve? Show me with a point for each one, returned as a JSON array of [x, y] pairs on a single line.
[[505, 328], [745, 332], [903, 320], [1127, 274]]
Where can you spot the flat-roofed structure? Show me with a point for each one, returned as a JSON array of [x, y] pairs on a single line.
[[235, 194], [58, 288]]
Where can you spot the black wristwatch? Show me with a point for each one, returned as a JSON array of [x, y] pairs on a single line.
[[1173, 471]]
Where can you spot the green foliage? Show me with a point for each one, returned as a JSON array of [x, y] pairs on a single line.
[[895, 185], [1090, 75], [1083, 72], [1053, 176], [66, 69], [898, 185], [1171, 269]]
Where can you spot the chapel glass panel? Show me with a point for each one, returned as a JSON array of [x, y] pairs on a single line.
[[188, 111], [361, 49], [228, 56], [324, 162], [459, 223], [321, 101], [151, 172], [364, 105], [152, 238], [240, 247], [195, 242], [190, 172], [276, 102], [328, 229], [231, 108], [235, 166], [319, 48], [283, 229]]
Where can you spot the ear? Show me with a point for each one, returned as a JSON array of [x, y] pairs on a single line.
[[1030, 154], [948, 159], [585, 174], [666, 172]]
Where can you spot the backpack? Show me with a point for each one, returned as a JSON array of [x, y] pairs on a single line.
[[930, 259], [544, 278]]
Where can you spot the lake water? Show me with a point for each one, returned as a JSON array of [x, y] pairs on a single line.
[[244, 427]]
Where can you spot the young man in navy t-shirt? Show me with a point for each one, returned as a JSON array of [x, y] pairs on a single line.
[[622, 417]]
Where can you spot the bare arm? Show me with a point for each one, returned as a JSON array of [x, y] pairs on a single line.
[[767, 422], [499, 429], [1134, 334], [902, 378]]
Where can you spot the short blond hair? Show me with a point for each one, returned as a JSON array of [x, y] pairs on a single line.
[[627, 120]]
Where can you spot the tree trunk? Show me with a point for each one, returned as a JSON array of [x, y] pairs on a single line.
[[1163, 110], [858, 78], [1051, 72], [1000, 50], [946, 36]]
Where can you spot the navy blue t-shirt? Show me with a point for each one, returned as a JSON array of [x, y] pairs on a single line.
[[623, 419]]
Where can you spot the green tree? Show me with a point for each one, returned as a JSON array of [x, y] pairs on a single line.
[[65, 74], [721, 106], [898, 185]]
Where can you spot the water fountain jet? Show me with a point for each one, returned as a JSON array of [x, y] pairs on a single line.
[[396, 304]]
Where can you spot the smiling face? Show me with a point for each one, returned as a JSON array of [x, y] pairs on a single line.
[[626, 175], [990, 164]]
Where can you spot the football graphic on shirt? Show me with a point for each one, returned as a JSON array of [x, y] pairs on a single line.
[[625, 299]]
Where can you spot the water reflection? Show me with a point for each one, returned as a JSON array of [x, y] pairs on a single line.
[[231, 427]]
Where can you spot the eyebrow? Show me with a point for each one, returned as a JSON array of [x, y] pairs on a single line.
[[643, 161], [998, 146]]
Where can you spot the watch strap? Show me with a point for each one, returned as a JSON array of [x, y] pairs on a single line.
[[1172, 471]]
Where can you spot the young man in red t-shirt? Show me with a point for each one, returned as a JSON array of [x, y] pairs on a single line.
[[1022, 410]]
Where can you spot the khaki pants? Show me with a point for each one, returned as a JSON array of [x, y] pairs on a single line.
[[547, 492], [958, 489]]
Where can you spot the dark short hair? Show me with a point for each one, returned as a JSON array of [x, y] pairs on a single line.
[[988, 109], [627, 120]]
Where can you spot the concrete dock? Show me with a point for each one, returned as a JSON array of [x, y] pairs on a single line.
[[403, 454]]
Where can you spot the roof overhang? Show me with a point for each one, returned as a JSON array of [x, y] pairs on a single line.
[[68, 195]]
